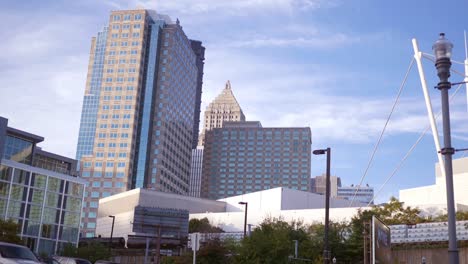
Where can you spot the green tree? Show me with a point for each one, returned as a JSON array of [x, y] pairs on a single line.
[[203, 226], [272, 242], [9, 232]]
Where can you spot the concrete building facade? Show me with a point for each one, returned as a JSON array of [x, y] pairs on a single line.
[[244, 157], [318, 184], [140, 108], [39, 191]]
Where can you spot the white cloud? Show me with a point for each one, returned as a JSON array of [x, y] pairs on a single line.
[[227, 7]]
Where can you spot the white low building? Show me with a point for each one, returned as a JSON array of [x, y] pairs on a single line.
[[432, 199], [226, 213]]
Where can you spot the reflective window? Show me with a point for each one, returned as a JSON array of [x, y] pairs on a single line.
[[18, 150]]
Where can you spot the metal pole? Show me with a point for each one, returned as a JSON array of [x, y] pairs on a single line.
[[448, 152], [158, 246], [112, 231], [326, 255], [146, 250], [194, 247], [296, 244], [245, 220], [427, 99]]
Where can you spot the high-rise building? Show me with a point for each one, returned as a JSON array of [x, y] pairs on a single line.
[[243, 157], [196, 171], [39, 191], [223, 108], [140, 108], [360, 194], [319, 185]]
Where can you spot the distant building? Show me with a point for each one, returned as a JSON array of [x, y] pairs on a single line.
[[361, 194], [244, 157], [39, 190], [223, 108], [318, 185], [141, 108], [196, 171]]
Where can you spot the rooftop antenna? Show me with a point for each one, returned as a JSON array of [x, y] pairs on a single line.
[[466, 70]]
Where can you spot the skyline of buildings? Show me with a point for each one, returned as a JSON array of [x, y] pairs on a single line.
[[139, 108], [39, 191]]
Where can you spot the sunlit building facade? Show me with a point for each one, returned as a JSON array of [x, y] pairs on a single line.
[[244, 157], [146, 75]]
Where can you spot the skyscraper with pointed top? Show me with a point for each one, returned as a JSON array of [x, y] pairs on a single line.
[[223, 108]]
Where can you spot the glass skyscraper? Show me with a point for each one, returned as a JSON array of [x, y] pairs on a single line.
[[141, 108], [244, 157]]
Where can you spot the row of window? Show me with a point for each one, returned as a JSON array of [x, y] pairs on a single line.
[[99, 164], [113, 135], [118, 88], [126, 26], [115, 116], [124, 43], [111, 155], [121, 70], [98, 174], [116, 107], [126, 35], [114, 126], [117, 97], [122, 52], [112, 145], [121, 61], [126, 17], [107, 184]]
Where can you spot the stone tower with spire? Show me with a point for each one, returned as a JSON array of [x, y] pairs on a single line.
[[223, 108]]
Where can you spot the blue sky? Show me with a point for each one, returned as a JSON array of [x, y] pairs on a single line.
[[333, 65]]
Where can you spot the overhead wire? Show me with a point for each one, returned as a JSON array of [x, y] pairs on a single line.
[[397, 168], [420, 137], [382, 132]]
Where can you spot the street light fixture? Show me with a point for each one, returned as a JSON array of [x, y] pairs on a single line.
[[245, 217], [443, 51], [326, 251], [112, 230]]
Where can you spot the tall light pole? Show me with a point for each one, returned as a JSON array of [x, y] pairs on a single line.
[[245, 217], [443, 51], [326, 250], [112, 231]]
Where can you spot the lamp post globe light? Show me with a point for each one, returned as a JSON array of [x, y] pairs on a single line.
[[443, 51], [326, 251]]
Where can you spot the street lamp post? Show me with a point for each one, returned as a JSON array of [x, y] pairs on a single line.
[[443, 51], [326, 251], [245, 217], [112, 230]]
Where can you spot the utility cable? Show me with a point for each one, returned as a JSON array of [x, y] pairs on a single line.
[[397, 168], [383, 131]]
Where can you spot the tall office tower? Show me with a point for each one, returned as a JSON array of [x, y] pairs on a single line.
[[223, 108], [243, 157], [140, 105], [200, 52], [319, 185], [196, 171]]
